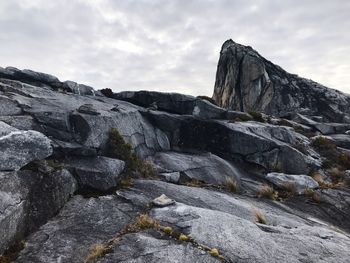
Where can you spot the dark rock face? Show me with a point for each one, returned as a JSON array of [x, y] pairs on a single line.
[[246, 81]]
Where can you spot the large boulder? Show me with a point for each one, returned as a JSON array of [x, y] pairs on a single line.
[[248, 82], [29, 199], [207, 168], [270, 146], [299, 182], [96, 173], [21, 147]]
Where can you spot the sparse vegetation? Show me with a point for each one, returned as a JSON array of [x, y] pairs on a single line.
[[335, 161], [313, 195], [259, 217], [12, 252], [122, 150], [183, 237], [97, 251], [107, 92], [266, 191], [241, 118], [231, 185], [257, 116], [214, 252], [290, 189], [167, 230]]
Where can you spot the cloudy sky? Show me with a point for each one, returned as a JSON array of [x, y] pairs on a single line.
[[170, 45]]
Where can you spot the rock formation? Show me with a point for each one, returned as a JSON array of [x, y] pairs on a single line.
[[246, 81], [96, 176]]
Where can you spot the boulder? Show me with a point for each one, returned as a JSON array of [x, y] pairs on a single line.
[[21, 147], [270, 146], [300, 182], [341, 140], [207, 167], [96, 173], [29, 199], [174, 103], [8, 107]]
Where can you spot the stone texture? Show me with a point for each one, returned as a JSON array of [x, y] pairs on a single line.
[[21, 147], [96, 173], [300, 182], [69, 236], [246, 81], [29, 199]]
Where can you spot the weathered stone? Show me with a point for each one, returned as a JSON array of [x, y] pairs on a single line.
[[285, 181], [207, 168], [248, 82], [88, 109], [162, 201], [29, 199], [96, 173], [70, 236], [173, 177], [8, 107], [21, 147]]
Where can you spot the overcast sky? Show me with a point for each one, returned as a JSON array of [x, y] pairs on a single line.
[[173, 45]]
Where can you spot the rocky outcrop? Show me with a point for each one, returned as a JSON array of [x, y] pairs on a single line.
[[73, 193], [246, 81], [21, 147]]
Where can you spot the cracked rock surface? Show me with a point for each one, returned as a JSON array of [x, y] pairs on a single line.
[[181, 179]]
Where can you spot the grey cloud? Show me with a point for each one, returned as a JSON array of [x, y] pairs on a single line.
[[172, 45]]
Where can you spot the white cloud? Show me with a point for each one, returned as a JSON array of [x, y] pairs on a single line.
[[172, 45]]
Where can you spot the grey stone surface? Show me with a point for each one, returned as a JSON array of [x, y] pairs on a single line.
[[96, 173], [207, 168], [301, 182], [142, 247], [21, 147], [29, 199], [80, 225], [234, 236]]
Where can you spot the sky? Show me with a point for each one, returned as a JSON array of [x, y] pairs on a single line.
[[173, 45]]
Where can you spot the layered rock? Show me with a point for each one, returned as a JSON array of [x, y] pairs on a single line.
[[246, 81]]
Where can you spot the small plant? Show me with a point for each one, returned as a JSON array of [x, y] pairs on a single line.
[[183, 237], [336, 175], [167, 230], [257, 116], [214, 252], [259, 217], [231, 185], [267, 191], [313, 195], [107, 92], [126, 182], [122, 150], [290, 189], [241, 118], [97, 251], [144, 221]]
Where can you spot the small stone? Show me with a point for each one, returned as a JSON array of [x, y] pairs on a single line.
[[88, 109], [163, 201]]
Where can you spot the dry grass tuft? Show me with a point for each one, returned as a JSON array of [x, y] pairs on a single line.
[[97, 251], [144, 221], [231, 185], [313, 195], [266, 191], [259, 217]]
